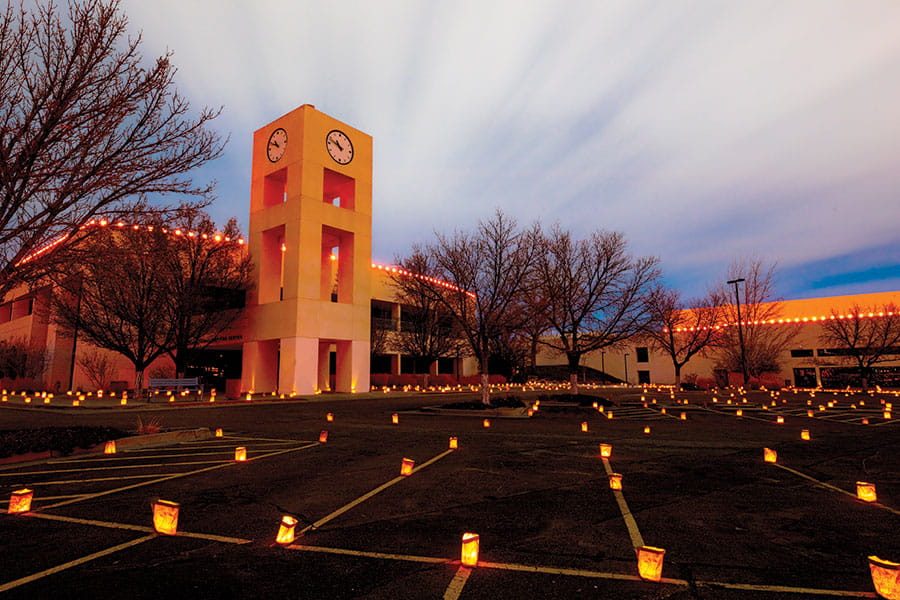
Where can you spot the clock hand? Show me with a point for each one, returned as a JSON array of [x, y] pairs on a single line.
[[274, 143]]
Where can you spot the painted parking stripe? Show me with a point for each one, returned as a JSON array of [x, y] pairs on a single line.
[[74, 563], [52, 471], [123, 456], [70, 481], [129, 527], [834, 488], [368, 495], [636, 540], [364, 554], [174, 476], [47, 498], [587, 573], [259, 439], [155, 465], [457, 583]]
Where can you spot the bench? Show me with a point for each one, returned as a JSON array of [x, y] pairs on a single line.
[[184, 383]]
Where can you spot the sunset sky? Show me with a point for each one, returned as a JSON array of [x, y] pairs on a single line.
[[704, 131]]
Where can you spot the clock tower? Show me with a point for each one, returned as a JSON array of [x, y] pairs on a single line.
[[310, 240]]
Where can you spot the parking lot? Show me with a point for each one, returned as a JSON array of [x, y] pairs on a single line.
[[535, 490]]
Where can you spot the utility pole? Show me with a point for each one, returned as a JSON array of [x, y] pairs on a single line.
[[737, 298], [626, 369]]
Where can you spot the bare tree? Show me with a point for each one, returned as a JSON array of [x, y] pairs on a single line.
[[868, 335], [208, 281], [428, 331], [681, 329], [479, 277], [533, 327], [115, 298], [145, 291], [753, 343], [595, 293], [85, 129], [98, 366]]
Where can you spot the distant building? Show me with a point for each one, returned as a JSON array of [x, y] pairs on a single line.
[[806, 363]]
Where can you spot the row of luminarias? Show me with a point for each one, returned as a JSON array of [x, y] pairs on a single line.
[[885, 574]]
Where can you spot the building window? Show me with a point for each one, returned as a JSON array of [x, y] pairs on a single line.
[[643, 355], [644, 377], [802, 353]]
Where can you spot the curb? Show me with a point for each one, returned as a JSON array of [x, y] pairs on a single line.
[[161, 439], [495, 413]]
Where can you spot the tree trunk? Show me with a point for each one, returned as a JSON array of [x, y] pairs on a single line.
[[573, 383], [678, 377], [485, 389], [139, 382], [863, 377], [574, 360]]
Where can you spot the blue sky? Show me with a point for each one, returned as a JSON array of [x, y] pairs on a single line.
[[705, 131]]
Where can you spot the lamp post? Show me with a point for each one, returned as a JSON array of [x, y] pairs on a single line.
[[737, 299], [626, 369], [603, 363]]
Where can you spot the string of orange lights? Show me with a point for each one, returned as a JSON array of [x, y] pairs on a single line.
[[786, 321], [405, 273], [217, 237]]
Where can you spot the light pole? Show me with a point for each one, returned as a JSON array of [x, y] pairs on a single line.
[[603, 362], [737, 299], [626, 369]]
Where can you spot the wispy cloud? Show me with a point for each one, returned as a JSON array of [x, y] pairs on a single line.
[[703, 130]]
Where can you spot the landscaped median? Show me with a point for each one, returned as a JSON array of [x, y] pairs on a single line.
[[23, 445]]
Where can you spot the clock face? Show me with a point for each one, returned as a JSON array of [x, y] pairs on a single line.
[[277, 145], [339, 146]]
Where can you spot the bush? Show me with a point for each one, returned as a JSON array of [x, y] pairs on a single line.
[[62, 440]]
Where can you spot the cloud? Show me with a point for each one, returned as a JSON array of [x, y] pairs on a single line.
[[703, 130]]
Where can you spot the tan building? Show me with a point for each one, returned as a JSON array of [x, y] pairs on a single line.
[[307, 322], [807, 362], [308, 319]]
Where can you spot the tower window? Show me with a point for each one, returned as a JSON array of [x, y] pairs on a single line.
[[338, 190]]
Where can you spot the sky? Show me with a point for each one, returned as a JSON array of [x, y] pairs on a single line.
[[705, 131]]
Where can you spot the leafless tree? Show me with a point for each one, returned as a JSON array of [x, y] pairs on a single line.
[[98, 366], [479, 277], [595, 293], [868, 335], [146, 291], [208, 280], [115, 296], [380, 337], [428, 331], [682, 329], [764, 339], [86, 129], [533, 327]]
